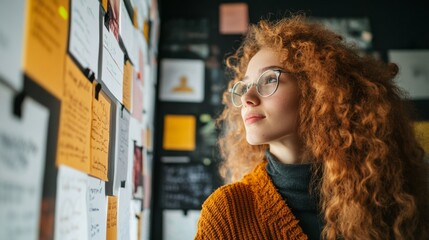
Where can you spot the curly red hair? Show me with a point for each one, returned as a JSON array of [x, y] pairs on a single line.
[[353, 120]]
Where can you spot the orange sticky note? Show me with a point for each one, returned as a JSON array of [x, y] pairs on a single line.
[[233, 18], [422, 132], [104, 4], [75, 119], [112, 218], [146, 30], [45, 43], [100, 135], [179, 132], [126, 89]]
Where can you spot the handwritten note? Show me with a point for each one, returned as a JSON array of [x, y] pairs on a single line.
[[97, 209], [113, 64], [22, 159], [71, 211], [179, 132], [11, 39], [84, 33], [128, 77], [46, 38], [121, 147], [112, 218], [100, 136], [75, 120]]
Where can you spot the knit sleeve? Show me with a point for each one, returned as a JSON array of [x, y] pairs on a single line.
[[215, 221]]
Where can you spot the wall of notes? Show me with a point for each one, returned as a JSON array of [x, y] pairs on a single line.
[[77, 90]]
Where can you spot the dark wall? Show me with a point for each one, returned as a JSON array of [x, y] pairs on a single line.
[[394, 25]]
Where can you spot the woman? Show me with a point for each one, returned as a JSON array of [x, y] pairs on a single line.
[[321, 140]]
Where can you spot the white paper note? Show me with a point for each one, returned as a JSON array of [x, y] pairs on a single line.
[[177, 225], [124, 209], [71, 208], [126, 29], [97, 209], [11, 40], [84, 33], [121, 147], [413, 71], [113, 65], [22, 161], [182, 80]]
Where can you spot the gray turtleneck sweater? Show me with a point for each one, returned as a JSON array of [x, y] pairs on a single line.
[[292, 182]]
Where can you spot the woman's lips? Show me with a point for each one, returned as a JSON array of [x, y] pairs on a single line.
[[252, 118]]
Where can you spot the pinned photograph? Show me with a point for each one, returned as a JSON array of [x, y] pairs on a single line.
[[182, 80]]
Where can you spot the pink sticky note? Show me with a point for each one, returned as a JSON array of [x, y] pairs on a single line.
[[233, 18]]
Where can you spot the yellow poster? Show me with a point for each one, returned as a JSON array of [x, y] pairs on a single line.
[[112, 218], [179, 132], [100, 136], [75, 119], [45, 43], [422, 132], [126, 91]]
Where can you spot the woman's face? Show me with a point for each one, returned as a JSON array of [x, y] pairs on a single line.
[[269, 120]]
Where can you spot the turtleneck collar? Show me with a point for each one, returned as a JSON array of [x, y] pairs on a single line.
[[293, 182]]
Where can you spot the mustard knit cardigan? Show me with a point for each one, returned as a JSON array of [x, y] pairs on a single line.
[[249, 209]]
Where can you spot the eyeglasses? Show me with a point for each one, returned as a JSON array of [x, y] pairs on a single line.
[[266, 85]]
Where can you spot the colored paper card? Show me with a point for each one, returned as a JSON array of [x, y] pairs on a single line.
[[182, 80], [179, 132], [178, 225], [22, 161], [137, 110], [85, 33], [114, 11], [45, 43], [71, 210], [233, 18], [128, 78], [75, 119], [113, 65], [121, 147], [137, 175], [422, 132], [126, 28], [97, 209], [100, 136], [12, 34], [413, 74], [112, 218]]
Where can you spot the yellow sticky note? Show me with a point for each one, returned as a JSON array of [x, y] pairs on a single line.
[[422, 132], [45, 43], [100, 135], [126, 87], [179, 132], [112, 218], [75, 119]]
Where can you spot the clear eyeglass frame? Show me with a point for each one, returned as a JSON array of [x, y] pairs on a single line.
[[263, 88]]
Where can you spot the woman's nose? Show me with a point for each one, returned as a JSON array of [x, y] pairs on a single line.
[[251, 97]]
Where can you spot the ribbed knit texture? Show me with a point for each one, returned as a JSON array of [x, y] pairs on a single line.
[[293, 183], [249, 209]]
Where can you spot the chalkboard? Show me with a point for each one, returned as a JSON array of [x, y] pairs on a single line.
[[185, 186]]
